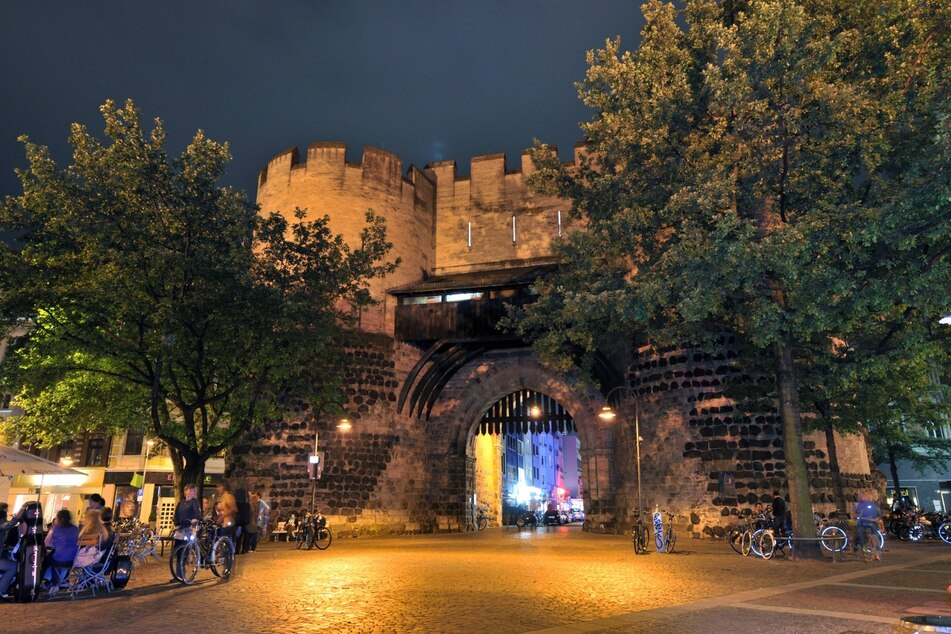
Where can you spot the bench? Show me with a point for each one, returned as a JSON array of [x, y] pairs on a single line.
[[279, 532]]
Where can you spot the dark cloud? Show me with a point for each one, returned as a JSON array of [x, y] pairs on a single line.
[[427, 80]]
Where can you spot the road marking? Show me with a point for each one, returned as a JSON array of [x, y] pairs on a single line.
[[898, 588], [827, 613]]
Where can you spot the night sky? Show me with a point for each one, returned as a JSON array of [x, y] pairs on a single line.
[[427, 80]]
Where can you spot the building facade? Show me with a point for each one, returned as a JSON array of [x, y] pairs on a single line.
[[430, 391]]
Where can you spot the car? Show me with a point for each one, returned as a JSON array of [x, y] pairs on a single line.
[[552, 518], [577, 515]]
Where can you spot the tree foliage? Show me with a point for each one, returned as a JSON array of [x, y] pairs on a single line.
[[160, 298], [775, 170]]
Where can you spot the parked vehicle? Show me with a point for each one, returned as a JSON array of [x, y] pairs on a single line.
[[552, 518], [526, 518]]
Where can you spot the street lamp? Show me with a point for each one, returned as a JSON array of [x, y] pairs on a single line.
[[343, 425], [608, 414]]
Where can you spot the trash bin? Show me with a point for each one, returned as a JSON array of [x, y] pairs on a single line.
[[915, 624]]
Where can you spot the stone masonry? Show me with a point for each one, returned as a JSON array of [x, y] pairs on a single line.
[[704, 456]]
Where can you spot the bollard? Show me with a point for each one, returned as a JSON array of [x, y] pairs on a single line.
[[915, 624]]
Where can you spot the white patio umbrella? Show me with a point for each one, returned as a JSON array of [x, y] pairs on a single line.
[[14, 462]]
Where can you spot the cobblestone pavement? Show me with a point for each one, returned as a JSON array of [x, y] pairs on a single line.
[[559, 580]]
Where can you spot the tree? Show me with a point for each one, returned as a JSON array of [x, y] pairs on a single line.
[[765, 169], [165, 298]]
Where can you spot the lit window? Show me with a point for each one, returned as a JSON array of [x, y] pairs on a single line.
[[421, 299], [463, 297]]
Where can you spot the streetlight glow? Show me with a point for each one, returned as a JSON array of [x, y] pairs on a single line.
[[344, 425], [607, 413]]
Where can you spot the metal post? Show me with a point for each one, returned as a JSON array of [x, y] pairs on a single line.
[[637, 449], [313, 480]]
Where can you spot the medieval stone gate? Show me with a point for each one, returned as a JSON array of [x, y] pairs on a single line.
[[433, 361]]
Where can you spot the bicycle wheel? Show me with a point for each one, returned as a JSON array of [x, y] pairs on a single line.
[[323, 538], [880, 536], [736, 537], [482, 523], [916, 532], [944, 532], [755, 539], [833, 539], [767, 544], [671, 541], [746, 542], [222, 558], [173, 564], [189, 561], [300, 538]]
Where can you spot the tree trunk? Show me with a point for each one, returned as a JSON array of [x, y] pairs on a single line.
[[189, 468], [797, 475], [893, 467], [837, 489]]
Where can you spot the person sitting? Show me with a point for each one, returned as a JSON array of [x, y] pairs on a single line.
[[93, 531], [8, 566], [106, 517], [63, 538]]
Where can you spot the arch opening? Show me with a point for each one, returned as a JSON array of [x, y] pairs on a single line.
[[527, 463]]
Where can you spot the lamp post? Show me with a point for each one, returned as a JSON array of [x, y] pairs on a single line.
[[343, 425], [607, 413], [145, 469]]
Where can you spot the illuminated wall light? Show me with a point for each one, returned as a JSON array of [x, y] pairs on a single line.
[[559, 223], [469, 240], [513, 229]]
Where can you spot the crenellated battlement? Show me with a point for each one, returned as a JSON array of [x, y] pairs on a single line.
[[328, 159], [440, 222]]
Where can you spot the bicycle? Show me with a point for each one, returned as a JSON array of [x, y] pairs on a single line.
[[313, 532], [204, 548], [480, 523], [664, 538], [639, 534], [871, 545]]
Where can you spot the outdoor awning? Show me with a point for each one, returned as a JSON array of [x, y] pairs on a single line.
[[14, 462]]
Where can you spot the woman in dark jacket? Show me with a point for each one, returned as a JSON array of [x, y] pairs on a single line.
[[187, 514]]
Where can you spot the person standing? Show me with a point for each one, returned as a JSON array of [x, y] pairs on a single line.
[[226, 510], [867, 516], [243, 519], [187, 514], [264, 516], [779, 511]]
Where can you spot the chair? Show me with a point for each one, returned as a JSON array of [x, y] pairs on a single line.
[[95, 575], [280, 531]]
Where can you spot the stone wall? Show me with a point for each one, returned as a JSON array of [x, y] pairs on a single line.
[[708, 457], [492, 219], [375, 477], [325, 184]]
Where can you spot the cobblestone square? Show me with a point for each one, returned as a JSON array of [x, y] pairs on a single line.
[[504, 580]]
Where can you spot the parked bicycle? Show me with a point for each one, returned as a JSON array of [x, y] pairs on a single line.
[[639, 533], [313, 531], [664, 537], [204, 547]]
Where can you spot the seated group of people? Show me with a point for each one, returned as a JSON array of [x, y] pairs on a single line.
[[64, 540]]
